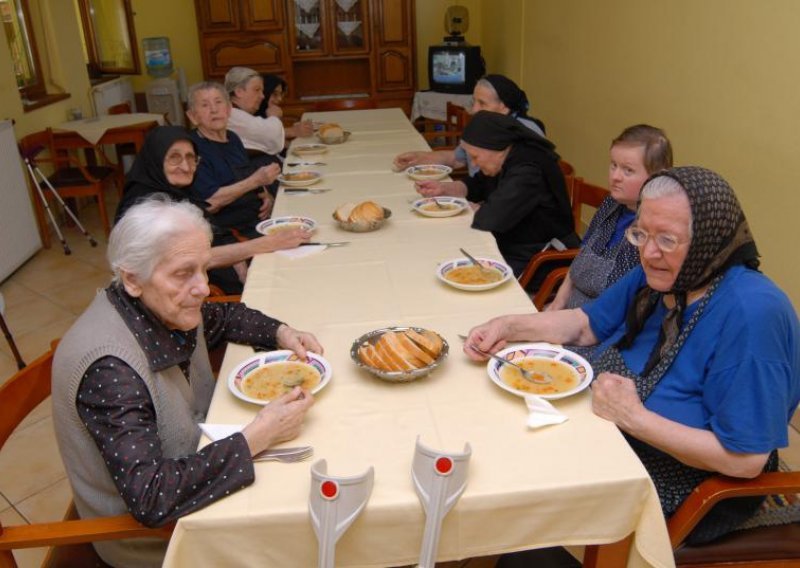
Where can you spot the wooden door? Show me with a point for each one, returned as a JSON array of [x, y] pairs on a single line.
[[394, 44], [218, 15], [260, 15]]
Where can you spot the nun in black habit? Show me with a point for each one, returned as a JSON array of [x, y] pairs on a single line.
[[519, 194]]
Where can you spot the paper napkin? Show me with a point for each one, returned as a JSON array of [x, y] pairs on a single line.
[[542, 413], [302, 252], [219, 431]]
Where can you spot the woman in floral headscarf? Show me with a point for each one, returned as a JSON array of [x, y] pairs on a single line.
[[698, 353]]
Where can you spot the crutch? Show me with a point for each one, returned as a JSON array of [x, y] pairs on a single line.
[[9, 338], [33, 169]]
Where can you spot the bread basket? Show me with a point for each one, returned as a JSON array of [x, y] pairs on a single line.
[[362, 225], [396, 376]]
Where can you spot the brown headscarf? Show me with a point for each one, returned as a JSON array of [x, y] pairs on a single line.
[[721, 239]]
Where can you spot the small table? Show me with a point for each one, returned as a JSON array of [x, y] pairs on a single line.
[[106, 129], [433, 105]]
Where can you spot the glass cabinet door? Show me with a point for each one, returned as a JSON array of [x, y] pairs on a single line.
[[351, 26], [307, 28]]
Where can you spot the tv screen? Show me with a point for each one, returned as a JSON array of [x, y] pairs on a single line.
[[454, 68], [449, 67]]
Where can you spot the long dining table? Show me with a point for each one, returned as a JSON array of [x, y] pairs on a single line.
[[576, 483]]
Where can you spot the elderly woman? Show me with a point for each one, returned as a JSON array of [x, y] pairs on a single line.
[[492, 93], [605, 254], [698, 360], [167, 164], [263, 135], [519, 193], [131, 381], [274, 91], [225, 178]]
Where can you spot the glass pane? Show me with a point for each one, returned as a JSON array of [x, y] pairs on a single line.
[[112, 39], [349, 24], [14, 25], [307, 20]]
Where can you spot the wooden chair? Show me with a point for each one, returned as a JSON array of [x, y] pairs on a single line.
[[762, 547], [583, 193], [127, 149], [345, 104], [70, 177], [68, 538]]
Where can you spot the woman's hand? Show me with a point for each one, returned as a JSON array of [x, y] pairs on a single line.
[[304, 128], [281, 240], [265, 175], [489, 337], [298, 341], [274, 110], [279, 421], [431, 188], [614, 398], [407, 159], [267, 201]]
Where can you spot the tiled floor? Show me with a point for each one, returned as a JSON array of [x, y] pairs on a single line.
[[43, 298]]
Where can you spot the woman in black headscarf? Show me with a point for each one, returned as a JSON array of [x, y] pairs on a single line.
[[698, 358], [167, 164], [519, 193]]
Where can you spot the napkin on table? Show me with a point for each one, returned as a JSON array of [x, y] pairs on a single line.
[[542, 413], [219, 431], [302, 252]]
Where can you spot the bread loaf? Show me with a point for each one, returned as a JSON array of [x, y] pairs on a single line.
[[331, 131], [366, 211], [400, 351]]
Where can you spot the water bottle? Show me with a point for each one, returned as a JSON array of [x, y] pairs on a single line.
[[157, 56]]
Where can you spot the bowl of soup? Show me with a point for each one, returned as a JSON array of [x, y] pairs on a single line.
[[264, 377], [555, 372], [299, 179], [428, 172], [463, 274], [443, 206], [279, 224]]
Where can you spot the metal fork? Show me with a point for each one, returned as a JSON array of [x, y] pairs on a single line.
[[285, 455], [295, 164], [526, 374]]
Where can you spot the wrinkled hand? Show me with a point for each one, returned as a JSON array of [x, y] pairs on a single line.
[[298, 341], [279, 421], [614, 398], [304, 128], [406, 159], [281, 240], [489, 337], [267, 201], [265, 175], [430, 188]]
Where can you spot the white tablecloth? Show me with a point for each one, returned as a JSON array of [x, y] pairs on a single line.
[[575, 483], [92, 129]]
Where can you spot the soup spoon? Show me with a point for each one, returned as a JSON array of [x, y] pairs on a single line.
[[526, 374], [474, 261]]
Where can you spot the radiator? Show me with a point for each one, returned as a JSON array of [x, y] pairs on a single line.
[[19, 236], [112, 93]]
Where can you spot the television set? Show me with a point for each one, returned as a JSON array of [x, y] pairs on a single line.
[[454, 68]]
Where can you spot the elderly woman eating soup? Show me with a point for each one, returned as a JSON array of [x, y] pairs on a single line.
[[606, 255], [167, 164], [519, 193], [698, 358], [131, 381]]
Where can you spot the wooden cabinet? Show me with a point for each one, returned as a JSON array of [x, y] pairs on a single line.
[[323, 48]]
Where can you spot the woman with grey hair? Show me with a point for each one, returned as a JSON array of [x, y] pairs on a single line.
[[698, 353], [131, 382], [225, 179], [246, 90]]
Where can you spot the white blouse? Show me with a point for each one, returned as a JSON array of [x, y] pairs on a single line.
[[262, 134]]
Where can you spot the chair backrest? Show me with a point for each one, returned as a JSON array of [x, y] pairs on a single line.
[[584, 193], [22, 393], [457, 117], [345, 104], [121, 108]]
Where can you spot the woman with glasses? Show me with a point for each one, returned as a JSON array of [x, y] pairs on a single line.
[[605, 255], [274, 92], [698, 353], [167, 164]]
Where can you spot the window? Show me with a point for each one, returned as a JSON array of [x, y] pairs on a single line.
[[110, 37], [17, 26]]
